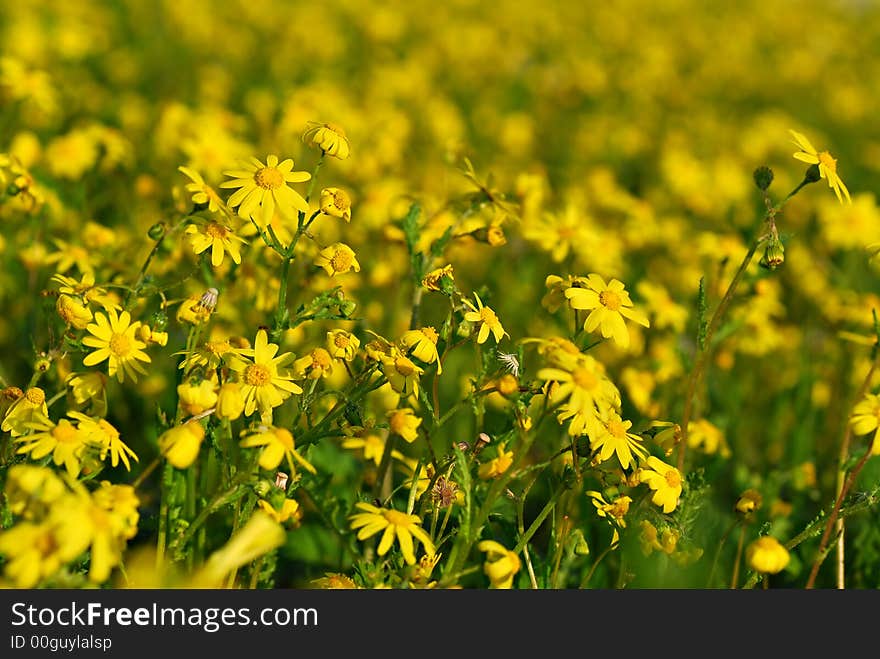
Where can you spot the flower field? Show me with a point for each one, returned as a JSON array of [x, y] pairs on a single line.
[[439, 295]]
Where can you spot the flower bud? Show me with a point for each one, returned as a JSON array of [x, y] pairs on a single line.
[[774, 254], [156, 231], [763, 177]]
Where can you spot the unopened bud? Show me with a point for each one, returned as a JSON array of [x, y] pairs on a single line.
[[763, 177], [156, 231], [774, 254]]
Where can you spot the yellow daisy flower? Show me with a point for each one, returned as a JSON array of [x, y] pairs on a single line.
[[487, 319], [263, 187], [827, 165], [664, 480], [100, 433], [330, 138], [336, 202], [115, 338], [421, 343], [608, 305], [338, 258], [202, 193], [342, 345], [609, 435], [221, 239], [63, 441], [392, 523], [405, 423], [265, 383]]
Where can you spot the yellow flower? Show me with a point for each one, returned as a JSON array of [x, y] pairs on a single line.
[[486, 318], [180, 445], [86, 291], [290, 511], [581, 380], [422, 344], [196, 398], [89, 387], [342, 344], [827, 165], [615, 511], [706, 436], [29, 407], [202, 193], [402, 373], [865, 419], [330, 138], [336, 202], [338, 258], [115, 339], [749, 501], [501, 564], [259, 536], [497, 465], [63, 440], [33, 552], [608, 305], [433, 281], [263, 188], [73, 312], [265, 382], [767, 555], [664, 480], [609, 435], [102, 434], [371, 443], [278, 444], [221, 239], [230, 401], [405, 423], [317, 364], [392, 523]]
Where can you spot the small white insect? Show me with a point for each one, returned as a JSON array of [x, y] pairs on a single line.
[[511, 363]]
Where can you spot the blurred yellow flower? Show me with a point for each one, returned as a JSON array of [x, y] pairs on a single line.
[[405, 423], [767, 555], [202, 193], [501, 564], [180, 445], [865, 419], [278, 444]]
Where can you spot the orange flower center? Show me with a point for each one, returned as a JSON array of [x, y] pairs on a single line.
[[398, 421], [341, 261], [616, 428], [341, 341], [396, 518], [64, 433], [827, 161], [404, 366], [335, 128], [120, 345], [673, 478], [256, 375], [341, 200], [269, 178], [320, 358], [218, 347], [488, 316], [610, 300], [214, 230], [35, 395], [584, 378]]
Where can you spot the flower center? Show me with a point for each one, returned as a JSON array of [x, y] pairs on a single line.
[[404, 366], [214, 230], [341, 201], [610, 300], [826, 160], [616, 428], [584, 378], [218, 347], [320, 358], [398, 421], [35, 395], [256, 375], [396, 518], [336, 129], [620, 507], [488, 316], [673, 478], [64, 433], [120, 345], [341, 261], [269, 178], [341, 341]]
